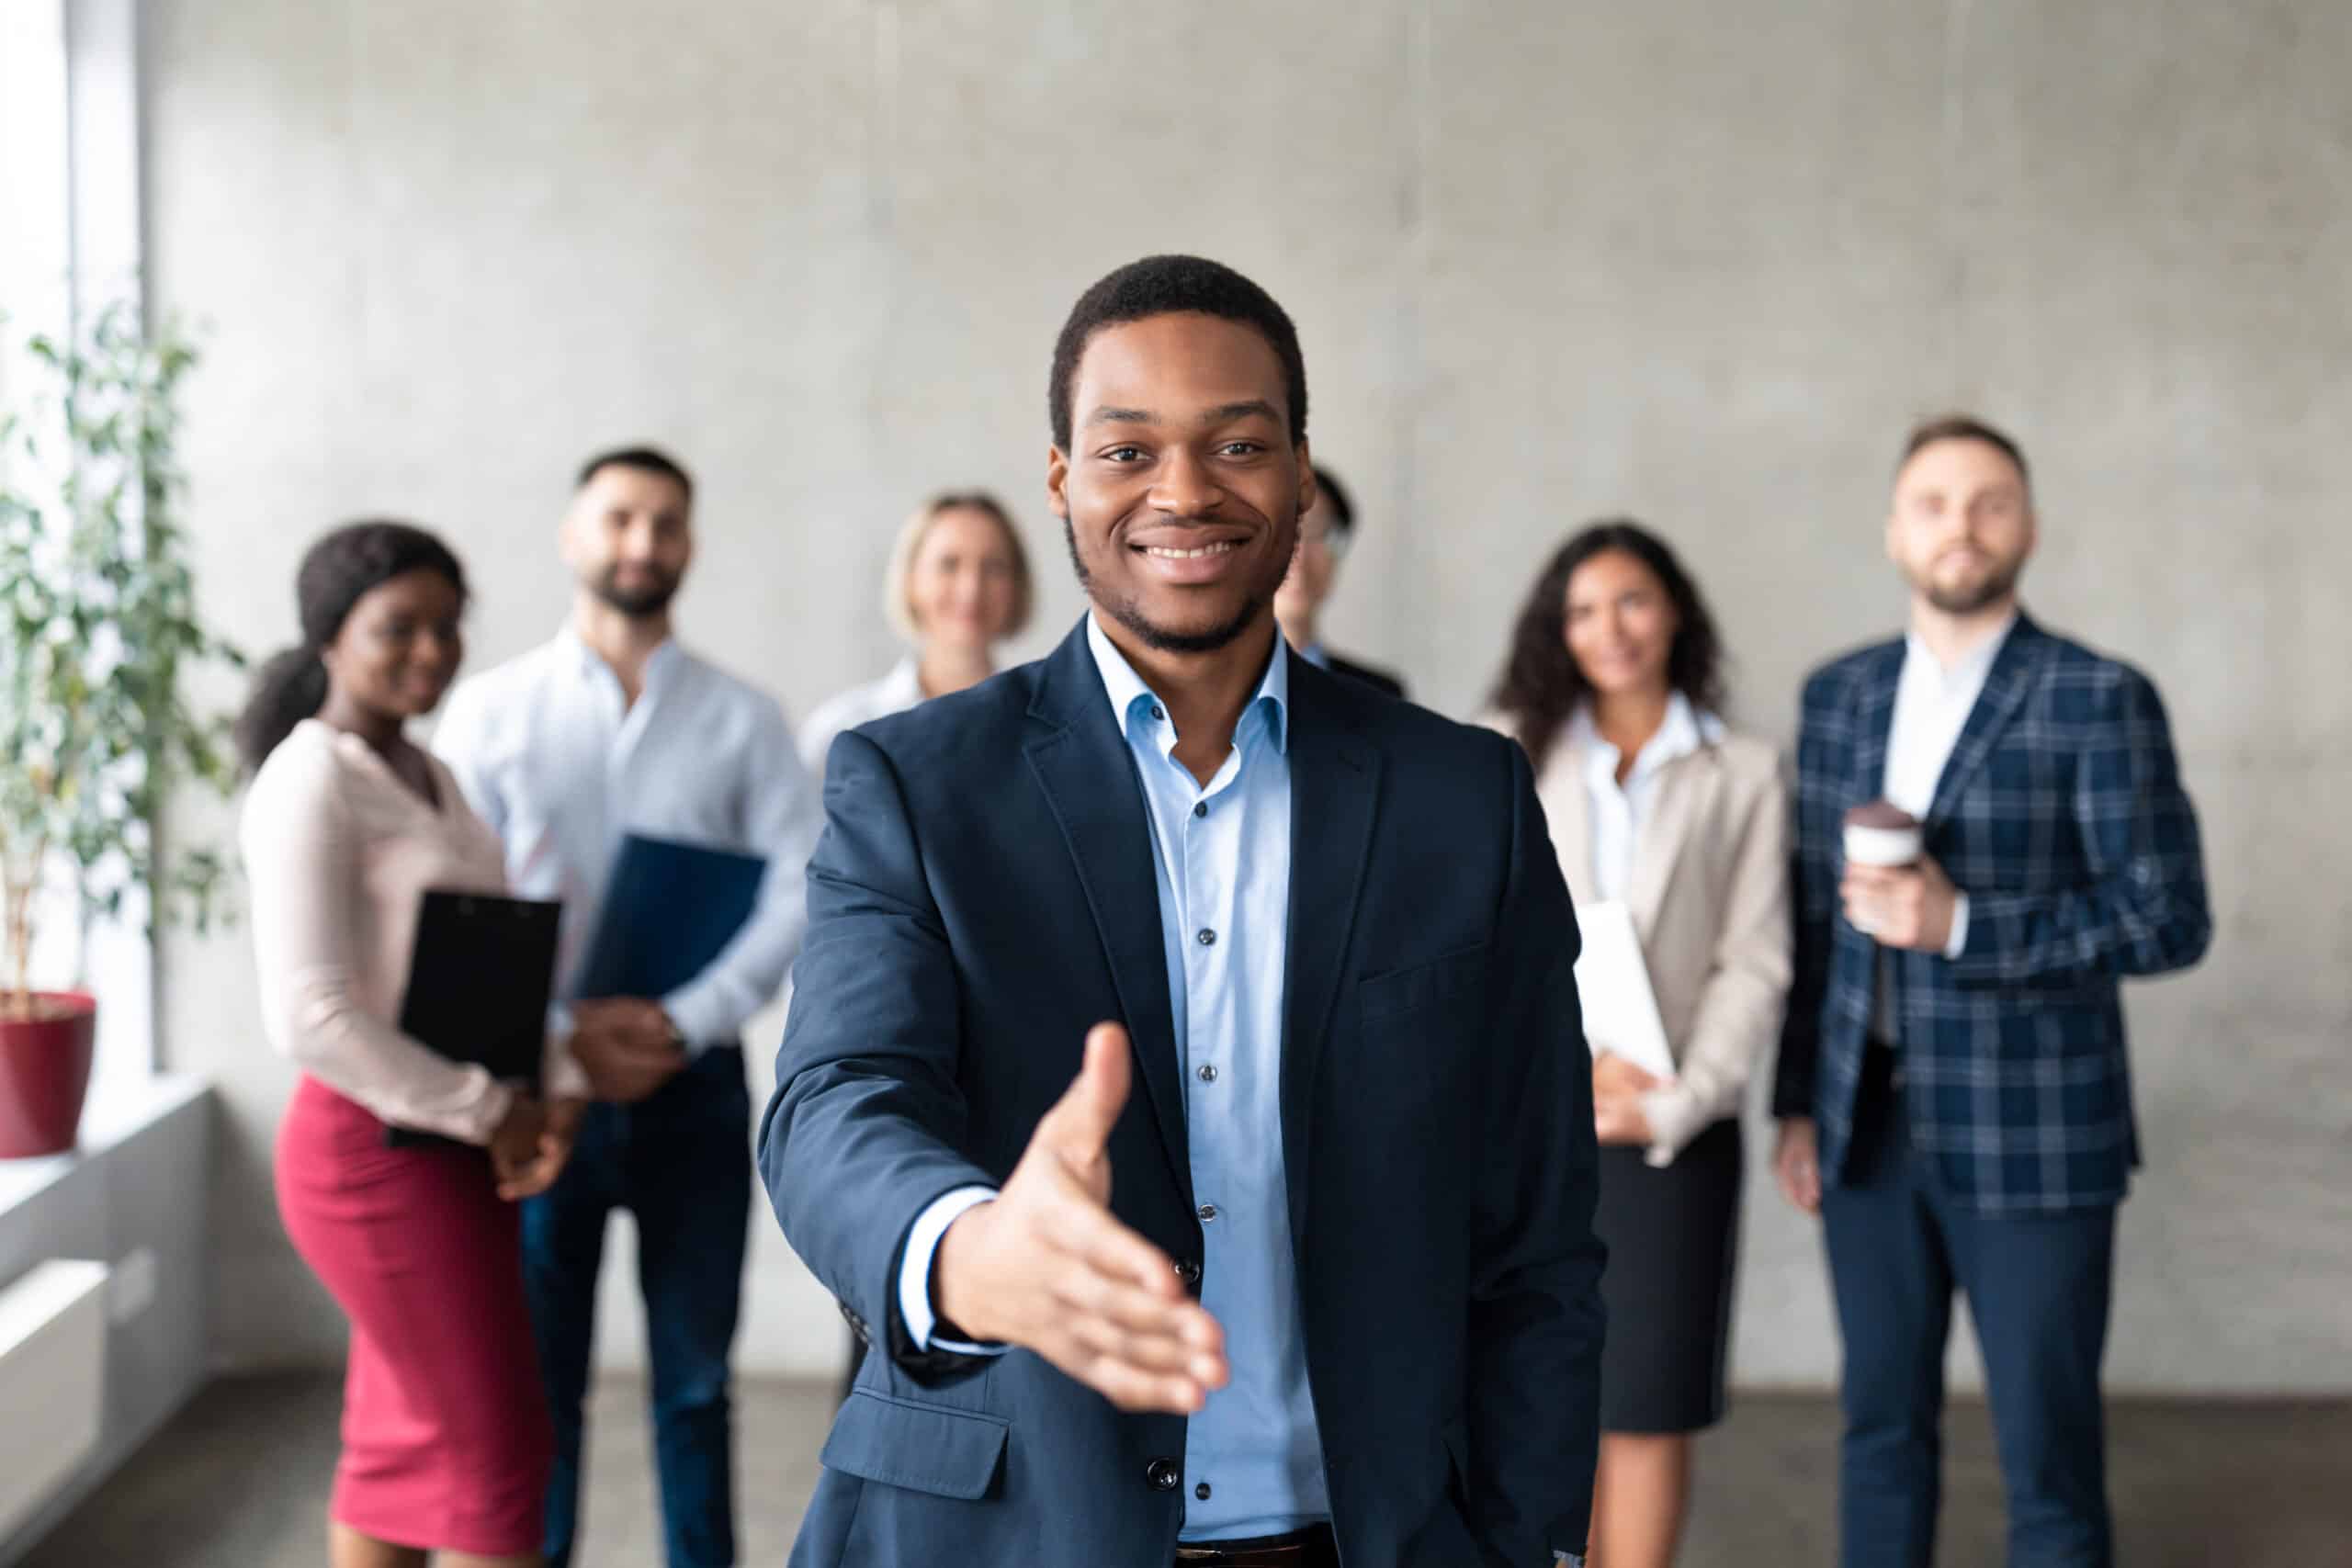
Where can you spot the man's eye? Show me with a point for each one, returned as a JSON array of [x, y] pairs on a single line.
[[1124, 454], [1242, 448]]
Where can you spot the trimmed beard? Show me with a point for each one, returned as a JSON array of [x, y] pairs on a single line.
[[1160, 639]]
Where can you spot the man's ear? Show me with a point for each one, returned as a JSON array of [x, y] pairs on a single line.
[[1057, 482]]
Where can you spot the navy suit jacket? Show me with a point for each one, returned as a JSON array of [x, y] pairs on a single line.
[[983, 895], [2060, 814]]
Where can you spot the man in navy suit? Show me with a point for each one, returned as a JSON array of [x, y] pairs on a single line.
[[1185, 1092], [1955, 1095]]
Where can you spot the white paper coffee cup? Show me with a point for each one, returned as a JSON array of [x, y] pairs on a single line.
[[1883, 846]]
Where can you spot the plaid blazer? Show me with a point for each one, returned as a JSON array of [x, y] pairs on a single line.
[[2060, 814]]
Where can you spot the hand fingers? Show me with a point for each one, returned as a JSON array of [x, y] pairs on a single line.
[[1081, 1120], [1130, 1389], [1081, 1228], [1178, 1329], [1163, 1350]]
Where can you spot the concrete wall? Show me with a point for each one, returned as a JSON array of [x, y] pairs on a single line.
[[1549, 260]]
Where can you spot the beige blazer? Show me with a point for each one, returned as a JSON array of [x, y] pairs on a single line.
[[1709, 899]]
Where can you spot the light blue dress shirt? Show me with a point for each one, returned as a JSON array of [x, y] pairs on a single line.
[[1253, 1460]]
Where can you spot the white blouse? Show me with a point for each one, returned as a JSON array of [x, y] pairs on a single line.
[[894, 693], [1618, 810]]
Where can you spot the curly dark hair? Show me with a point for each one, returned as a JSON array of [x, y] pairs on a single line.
[[1540, 685], [337, 572], [1165, 286]]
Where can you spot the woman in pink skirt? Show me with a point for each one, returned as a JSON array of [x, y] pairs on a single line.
[[446, 1437]]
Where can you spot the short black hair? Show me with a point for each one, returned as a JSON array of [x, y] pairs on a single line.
[[650, 459], [1962, 427], [1343, 510], [1165, 286]]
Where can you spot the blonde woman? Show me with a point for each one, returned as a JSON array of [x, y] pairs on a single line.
[[958, 585]]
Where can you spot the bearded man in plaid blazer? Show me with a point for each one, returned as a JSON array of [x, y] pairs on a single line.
[[1953, 1087]]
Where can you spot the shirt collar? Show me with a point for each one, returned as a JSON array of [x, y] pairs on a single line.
[[1971, 672], [1126, 688], [586, 661], [904, 685], [1684, 731]]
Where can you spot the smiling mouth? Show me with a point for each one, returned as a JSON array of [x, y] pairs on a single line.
[[1167, 552]]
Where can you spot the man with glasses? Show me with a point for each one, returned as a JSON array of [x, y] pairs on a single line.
[[1324, 534]]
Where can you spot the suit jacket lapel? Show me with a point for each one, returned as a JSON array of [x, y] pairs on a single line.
[[2005, 688], [1877, 722], [1567, 808], [1088, 773], [1334, 795], [1684, 789]]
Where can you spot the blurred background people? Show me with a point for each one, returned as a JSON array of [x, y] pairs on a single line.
[[1324, 534], [347, 824], [957, 587], [613, 728], [1613, 684]]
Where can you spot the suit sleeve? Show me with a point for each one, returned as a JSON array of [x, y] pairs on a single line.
[[1813, 889], [865, 1130], [1535, 1318], [2141, 909]]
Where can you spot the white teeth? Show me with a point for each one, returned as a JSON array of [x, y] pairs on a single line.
[[1222, 547]]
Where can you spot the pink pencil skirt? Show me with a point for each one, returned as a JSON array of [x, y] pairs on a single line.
[[445, 1437]]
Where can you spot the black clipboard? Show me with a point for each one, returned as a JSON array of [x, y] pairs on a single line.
[[479, 978]]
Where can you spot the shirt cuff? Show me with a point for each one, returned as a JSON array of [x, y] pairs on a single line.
[[915, 1270], [696, 1015], [1675, 1117], [1957, 944]]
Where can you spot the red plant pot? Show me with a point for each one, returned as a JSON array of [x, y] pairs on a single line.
[[44, 1072]]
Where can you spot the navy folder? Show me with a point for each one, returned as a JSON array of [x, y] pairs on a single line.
[[670, 909]]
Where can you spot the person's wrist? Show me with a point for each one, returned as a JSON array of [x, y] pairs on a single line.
[[956, 1314]]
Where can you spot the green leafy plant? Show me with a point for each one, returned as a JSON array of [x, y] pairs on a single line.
[[98, 627]]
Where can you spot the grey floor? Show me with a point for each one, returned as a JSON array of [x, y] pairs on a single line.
[[240, 1481]]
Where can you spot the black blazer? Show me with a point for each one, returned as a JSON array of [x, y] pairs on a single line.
[[984, 894], [1377, 679]]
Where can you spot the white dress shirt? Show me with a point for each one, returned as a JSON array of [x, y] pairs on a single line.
[[894, 693], [558, 761], [1618, 810], [1931, 708]]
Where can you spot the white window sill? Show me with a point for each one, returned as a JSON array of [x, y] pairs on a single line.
[[110, 1118]]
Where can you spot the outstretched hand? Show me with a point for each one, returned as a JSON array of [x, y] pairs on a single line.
[[1045, 1265]]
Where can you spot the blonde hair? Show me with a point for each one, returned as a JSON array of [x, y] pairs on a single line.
[[897, 602]]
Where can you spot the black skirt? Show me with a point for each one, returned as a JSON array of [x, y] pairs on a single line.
[[1672, 1236]]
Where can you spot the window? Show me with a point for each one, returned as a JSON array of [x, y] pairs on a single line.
[[69, 188]]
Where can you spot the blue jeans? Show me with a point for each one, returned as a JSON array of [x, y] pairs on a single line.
[[2038, 1287], [680, 1161]]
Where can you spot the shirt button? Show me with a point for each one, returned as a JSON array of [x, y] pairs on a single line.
[[1208, 1213], [1207, 1073], [1202, 1491], [1200, 808], [1161, 1476], [1157, 712], [1206, 937], [1189, 1272]]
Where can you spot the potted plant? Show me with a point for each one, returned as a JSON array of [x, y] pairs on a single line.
[[98, 625]]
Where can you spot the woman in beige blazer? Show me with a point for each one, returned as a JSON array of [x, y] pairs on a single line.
[[1613, 685]]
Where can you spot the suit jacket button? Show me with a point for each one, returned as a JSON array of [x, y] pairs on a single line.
[[1161, 1475], [1188, 1271]]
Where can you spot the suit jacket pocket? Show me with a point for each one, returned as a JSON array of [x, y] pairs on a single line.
[[927, 1447], [1445, 979]]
